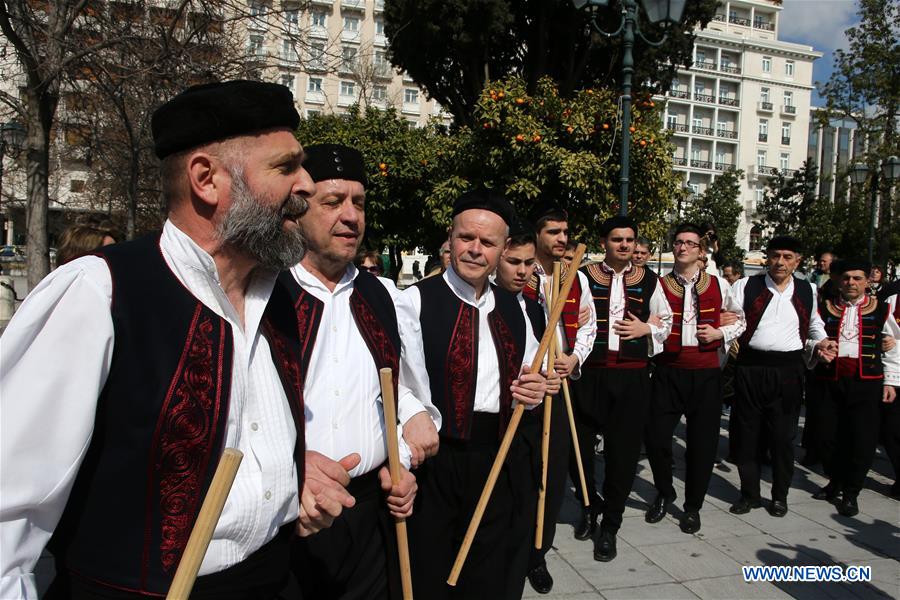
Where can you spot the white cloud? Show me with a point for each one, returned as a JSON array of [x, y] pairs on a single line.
[[819, 23]]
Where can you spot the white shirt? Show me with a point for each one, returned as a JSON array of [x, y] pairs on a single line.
[[659, 306], [487, 380], [342, 393], [848, 341], [690, 308], [584, 337], [779, 326], [56, 357]]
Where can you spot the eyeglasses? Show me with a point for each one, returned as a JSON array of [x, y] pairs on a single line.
[[688, 243], [372, 269]]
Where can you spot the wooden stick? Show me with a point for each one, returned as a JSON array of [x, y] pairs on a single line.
[[549, 296], [202, 533], [549, 334], [393, 446], [584, 492]]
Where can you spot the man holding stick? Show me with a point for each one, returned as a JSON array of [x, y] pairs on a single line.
[[574, 340], [350, 332], [614, 390], [476, 344], [116, 407]]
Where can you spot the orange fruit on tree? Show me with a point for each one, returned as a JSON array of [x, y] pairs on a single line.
[[606, 126], [382, 166], [520, 138], [520, 100]]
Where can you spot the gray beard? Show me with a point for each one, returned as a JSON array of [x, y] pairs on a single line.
[[256, 230]]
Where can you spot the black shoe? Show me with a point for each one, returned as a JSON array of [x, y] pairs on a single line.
[[586, 526], [828, 492], [690, 522], [605, 546], [848, 506], [744, 505], [657, 510], [540, 580], [778, 508], [895, 491]]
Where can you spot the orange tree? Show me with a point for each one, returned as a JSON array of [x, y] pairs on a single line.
[[543, 147]]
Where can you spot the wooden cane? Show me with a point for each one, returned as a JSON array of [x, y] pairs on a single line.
[[550, 291], [393, 446], [586, 500], [514, 420], [202, 533]]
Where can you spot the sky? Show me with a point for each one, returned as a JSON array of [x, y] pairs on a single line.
[[820, 24]]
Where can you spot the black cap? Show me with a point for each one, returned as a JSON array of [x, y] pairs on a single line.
[[215, 111], [486, 199], [851, 264], [334, 161], [784, 242], [618, 222], [548, 209]]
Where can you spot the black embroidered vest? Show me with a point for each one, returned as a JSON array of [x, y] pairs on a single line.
[[160, 423], [537, 317], [450, 336], [374, 314], [639, 283], [872, 314], [757, 297]]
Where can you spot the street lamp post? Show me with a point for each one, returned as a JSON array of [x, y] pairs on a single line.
[[890, 170], [667, 12], [12, 136]]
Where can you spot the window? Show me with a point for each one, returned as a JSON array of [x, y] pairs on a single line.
[[348, 58], [760, 195], [755, 238], [348, 88], [671, 121], [255, 45], [766, 64], [695, 154], [763, 130], [721, 126], [789, 68], [760, 158], [694, 187], [76, 186], [783, 161], [258, 10], [379, 26], [288, 50], [319, 19], [699, 89], [316, 55], [724, 91], [379, 93], [288, 81], [764, 94], [314, 85], [382, 67], [292, 18], [410, 96], [720, 157], [789, 98], [351, 24], [786, 133], [697, 123], [312, 113]]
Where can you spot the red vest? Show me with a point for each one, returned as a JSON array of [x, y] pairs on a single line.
[[702, 356], [570, 310]]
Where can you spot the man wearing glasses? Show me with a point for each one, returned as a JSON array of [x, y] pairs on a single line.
[[688, 379]]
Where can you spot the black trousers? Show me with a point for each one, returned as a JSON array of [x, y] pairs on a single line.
[[890, 434], [262, 575], [696, 394], [847, 417], [767, 402], [450, 484], [355, 558], [613, 402], [557, 474]]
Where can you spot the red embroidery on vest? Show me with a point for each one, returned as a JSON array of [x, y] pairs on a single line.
[[509, 368], [182, 442], [460, 368], [380, 345]]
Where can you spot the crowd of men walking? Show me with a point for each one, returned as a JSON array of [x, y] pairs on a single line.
[[252, 321]]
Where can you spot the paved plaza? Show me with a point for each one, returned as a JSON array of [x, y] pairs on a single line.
[[659, 561]]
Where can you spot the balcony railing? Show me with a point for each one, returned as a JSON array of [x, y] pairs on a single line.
[[705, 98], [729, 69], [353, 4], [764, 106], [679, 161], [702, 130], [722, 166], [680, 94], [787, 109], [701, 164], [728, 101], [764, 170], [729, 134], [763, 137], [739, 21], [677, 127], [764, 25], [706, 65], [786, 141], [719, 17]]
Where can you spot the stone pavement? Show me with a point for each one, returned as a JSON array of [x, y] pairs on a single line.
[[660, 562]]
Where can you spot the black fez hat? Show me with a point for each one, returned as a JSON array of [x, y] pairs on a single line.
[[334, 161], [486, 199], [520, 226], [545, 209], [618, 222], [784, 242], [851, 264], [215, 111]]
